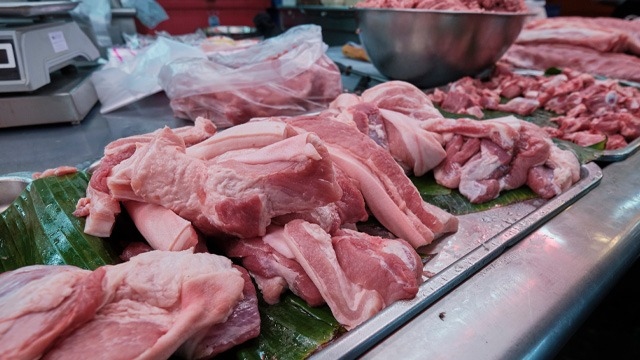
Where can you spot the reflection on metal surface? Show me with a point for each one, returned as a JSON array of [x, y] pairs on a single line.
[[620, 154], [11, 187], [480, 251]]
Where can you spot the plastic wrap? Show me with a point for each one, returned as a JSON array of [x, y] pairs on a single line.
[[132, 75], [286, 75]]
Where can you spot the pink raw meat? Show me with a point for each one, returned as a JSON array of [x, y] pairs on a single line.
[[389, 194], [273, 266], [148, 312], [161, 227], [350, 303], [389, 266], [238, 195], [99, 206], [43, 303], [243, 324]]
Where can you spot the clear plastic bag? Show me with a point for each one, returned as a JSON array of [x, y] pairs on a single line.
[[286, 75], [135, 76]]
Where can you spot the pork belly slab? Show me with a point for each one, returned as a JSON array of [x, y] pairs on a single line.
[[238, 195], [148, 312], [99, 207], [140, 309], [356, 274], [43, 303], [388, 192]]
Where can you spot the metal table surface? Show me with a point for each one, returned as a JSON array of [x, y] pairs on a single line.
[[530, 300], [524, 304]]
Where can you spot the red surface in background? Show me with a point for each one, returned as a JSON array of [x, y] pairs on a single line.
[[186, 16]]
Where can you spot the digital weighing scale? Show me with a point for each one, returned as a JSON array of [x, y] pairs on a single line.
[[39, 80]]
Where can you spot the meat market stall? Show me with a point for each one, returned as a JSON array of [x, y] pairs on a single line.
[[526, 302], [460, 258]]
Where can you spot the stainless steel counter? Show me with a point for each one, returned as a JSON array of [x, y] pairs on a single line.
[[524, 304], [530, 300], [36, 148]]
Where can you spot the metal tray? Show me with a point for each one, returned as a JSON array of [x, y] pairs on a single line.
[[481, 238], [26, 9], [619, 154]]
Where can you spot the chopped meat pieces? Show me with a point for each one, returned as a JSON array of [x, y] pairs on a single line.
[[587, 107]]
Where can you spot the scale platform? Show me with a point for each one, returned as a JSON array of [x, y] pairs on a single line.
[[67, 98]]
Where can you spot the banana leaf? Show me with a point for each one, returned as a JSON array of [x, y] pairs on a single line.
[[40, 228], [289, 330], [455, 203]]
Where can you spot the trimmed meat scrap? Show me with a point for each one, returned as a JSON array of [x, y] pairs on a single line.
[[480, 165]]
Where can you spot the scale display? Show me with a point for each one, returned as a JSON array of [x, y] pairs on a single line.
[[8, 65]]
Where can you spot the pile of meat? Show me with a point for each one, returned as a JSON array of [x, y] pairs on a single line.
[[451, 5], [590, 110], [601, 46], [198, 307], [283, 195], [480, 158]]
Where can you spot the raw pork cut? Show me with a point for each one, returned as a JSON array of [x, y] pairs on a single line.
[[243, 324], [390, 113], [591, 109], [149, 310], [601, 34], [487, 157], [350, 303], [388, 192], [99, 206], [389, 266], [238, 195], [273, 266], [43, 303], [544, 56], [349, 210], [449, 5], [161, 227]]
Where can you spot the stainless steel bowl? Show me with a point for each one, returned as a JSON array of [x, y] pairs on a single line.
[[11, 187], [431, 48]]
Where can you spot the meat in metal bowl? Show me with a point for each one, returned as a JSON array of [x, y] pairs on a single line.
[[430, 48]]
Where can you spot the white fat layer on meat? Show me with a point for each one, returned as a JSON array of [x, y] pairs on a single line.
[[400, 251], [378, 129], [311, 152], [274, 238]]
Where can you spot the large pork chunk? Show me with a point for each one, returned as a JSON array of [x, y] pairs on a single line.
[[350, 303], [236, 195], [152, 304], [389, 266], [43, 303], [388, 192]]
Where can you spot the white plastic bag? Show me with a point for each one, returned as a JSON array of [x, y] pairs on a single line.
[[120, 83], [286, 75]]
